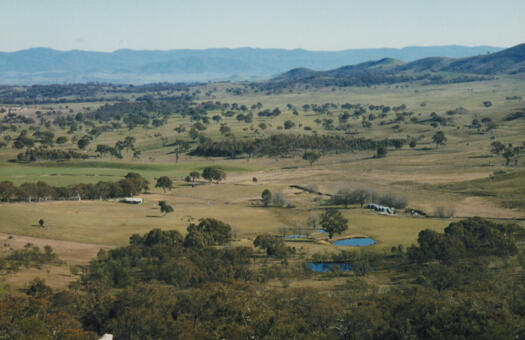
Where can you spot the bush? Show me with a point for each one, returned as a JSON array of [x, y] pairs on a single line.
[[279, 200], [29, 257], [38, 288], [273, 245], [444, 212]]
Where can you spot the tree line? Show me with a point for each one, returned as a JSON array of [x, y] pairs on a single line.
[[287, 144], [131, 184], [33, 154], [346, 196]]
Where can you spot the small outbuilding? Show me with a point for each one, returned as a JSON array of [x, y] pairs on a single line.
[[132, 200]]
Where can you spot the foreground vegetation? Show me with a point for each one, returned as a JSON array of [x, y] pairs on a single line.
[[164, 285]]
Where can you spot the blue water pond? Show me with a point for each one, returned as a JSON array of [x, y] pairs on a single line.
[[324, 267], [355, 242]]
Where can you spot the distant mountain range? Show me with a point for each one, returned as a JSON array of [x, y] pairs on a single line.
[[431, 69], [44, 65]]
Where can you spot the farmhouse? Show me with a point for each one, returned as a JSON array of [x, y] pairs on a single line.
[[381, 209]]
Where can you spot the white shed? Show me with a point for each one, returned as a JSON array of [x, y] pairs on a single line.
[[132, 200]]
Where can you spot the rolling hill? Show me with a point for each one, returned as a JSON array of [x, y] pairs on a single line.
[[433, 69]]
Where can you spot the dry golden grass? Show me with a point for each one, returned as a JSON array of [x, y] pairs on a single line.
[[56, 276]]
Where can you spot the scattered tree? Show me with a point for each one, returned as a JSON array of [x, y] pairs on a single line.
[[83, 142], [333, 222], [164, 182], [311, 157], [439, 138], [266, 197], [165, 207]]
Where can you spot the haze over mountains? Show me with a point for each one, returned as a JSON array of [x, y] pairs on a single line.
[[45, 66]]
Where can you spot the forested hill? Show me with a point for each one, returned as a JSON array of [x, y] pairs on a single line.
[[44, 66], [431, 69]]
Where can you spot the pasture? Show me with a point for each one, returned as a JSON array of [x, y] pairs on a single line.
[[459, 175]]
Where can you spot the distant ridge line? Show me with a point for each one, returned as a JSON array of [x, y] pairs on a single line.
[[42, 65]]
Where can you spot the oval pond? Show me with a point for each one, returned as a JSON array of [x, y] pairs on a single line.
[[355, 242]]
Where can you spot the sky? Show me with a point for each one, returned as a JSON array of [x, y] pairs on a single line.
[[98, 25]]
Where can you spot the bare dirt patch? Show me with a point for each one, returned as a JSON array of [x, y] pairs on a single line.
[[74, 253]]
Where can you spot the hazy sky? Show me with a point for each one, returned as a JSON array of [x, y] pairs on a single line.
[[309, 24]]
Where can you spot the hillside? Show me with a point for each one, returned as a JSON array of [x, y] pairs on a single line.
[[511, 60], [430, 69], [44, 66]]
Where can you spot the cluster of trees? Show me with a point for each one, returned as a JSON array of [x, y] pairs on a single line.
[[147, 110], [29, 257], [167, 256], [346, 196], [47, 94], [13, 118], [132, 184], [209, 232], [365, 78], [508, 152], [23, 140], [127, 144], [212, 174], [485, 122], [74, 93], [209, 173], [193, 176], [269, 113], [273, 245], [277, 199], [287, 144], [33, 154], [515, 115], [473, 237]]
